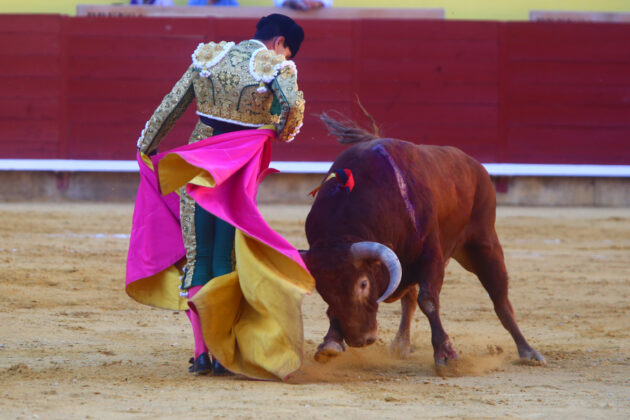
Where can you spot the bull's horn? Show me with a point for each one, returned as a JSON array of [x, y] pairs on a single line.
[[362, 250]]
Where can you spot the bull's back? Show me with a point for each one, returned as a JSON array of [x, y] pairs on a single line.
[[395, 182], [452, 183], [443, 174]]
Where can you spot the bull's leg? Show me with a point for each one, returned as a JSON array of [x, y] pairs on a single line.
[[485, 259], [333, 343], [401, 346], [431, 270]]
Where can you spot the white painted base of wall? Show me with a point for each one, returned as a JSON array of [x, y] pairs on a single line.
[[52, 186], [494, 169]]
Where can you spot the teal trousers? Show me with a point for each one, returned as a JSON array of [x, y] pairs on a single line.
[[215, 242]]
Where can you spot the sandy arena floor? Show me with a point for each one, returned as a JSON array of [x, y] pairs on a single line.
[[73, 345]]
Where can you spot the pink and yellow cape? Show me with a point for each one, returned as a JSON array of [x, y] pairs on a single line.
[[251, 318]]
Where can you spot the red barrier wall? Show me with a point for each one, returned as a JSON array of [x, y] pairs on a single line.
[[82, 88]]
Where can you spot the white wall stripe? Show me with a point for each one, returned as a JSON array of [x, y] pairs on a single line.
[[495, 169], [529, 169]]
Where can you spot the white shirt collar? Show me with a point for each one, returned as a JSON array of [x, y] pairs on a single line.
[[260, 42]]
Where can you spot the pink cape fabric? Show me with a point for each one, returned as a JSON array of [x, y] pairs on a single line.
[[237, 161], [156, 241]]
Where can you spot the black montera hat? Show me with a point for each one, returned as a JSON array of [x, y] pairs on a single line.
[[280, 25]]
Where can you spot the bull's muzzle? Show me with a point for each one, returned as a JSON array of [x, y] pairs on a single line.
[[362, 341]]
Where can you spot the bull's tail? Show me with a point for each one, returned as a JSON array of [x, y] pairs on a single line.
[[349, 132]]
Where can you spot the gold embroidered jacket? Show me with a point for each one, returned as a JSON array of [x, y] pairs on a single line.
[[246, 84]]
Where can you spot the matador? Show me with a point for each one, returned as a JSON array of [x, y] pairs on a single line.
[[237, 86]]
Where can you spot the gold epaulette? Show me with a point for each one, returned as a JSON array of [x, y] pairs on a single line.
[[208, 55], [265, 65]]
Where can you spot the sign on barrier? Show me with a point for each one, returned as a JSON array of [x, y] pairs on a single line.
[[257, 12], [564, 16]]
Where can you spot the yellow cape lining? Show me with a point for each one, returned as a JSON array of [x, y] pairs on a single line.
[[252, 318]]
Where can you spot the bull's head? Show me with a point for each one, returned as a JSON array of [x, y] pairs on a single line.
[[353, 280]]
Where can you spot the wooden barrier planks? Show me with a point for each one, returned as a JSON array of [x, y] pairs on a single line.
[[544, 92], [30, 85], [567, 93], [433, 82]]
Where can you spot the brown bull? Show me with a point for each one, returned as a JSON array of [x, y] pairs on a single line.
[[411, 209]]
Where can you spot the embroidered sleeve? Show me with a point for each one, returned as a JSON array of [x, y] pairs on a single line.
[[285, 89], [172, 107]]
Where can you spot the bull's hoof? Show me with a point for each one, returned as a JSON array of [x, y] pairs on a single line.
[[400, 348], [328, 350], [441, 360], [444, 353], [531, 355]]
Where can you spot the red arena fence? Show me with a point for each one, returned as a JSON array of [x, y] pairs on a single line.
[[513, 92]]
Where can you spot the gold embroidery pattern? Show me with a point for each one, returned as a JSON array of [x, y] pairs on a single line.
[[238, 57], [204, 90], [187, 220], [232, 92], [228, 80], [172, 107], [233, 89], [292, 100], [201, 132]]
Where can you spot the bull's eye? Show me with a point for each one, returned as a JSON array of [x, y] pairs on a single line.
[[362, 288]]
